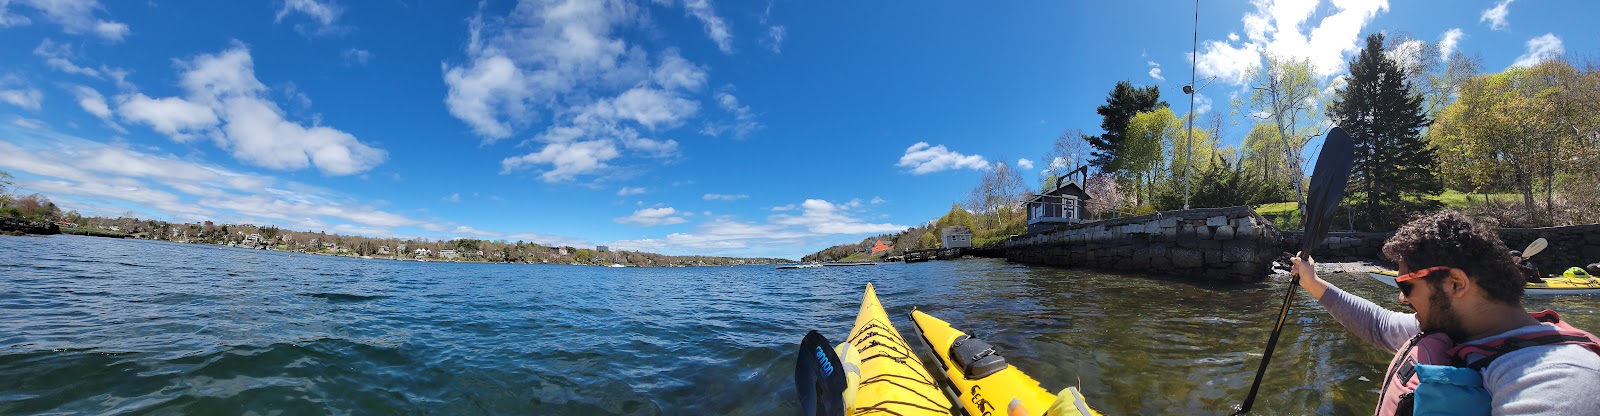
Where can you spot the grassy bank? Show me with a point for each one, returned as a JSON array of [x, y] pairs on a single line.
[[92, 232], [1286, 217]]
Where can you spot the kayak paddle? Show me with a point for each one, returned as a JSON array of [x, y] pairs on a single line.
[[1534, 248], [819, 377], [1327, 189]]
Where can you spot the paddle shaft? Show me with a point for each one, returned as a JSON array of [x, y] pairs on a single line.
[[1327, 188], [1272, 344]]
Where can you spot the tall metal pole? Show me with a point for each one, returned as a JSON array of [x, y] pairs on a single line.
[[1188, 146]]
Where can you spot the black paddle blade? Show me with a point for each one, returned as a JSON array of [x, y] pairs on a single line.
[[1327, 186], [819, 377]]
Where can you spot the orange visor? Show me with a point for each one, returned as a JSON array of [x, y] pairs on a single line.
[[1420, 273]]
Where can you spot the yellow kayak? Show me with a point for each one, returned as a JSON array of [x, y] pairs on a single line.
[[893, 380], [985, 384], [1550, 286]]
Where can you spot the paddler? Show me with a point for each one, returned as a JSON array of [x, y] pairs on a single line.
[[1469, 340], [1530, 272]]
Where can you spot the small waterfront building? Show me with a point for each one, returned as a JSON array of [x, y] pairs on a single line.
[[1065, 204], [421, 252], [385, 249], [447, 253], [880, 247], [955, 236]]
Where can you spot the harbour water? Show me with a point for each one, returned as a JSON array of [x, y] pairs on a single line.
[[94, 325]]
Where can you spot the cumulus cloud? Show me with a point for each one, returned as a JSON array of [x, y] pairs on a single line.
[[724, 197], [626, 191], [1408, 54], [922, 158], [650, 217], [1448, 43], [225, 101], [1155, 71], [1287, 28], [1024, 163], [1540, 49], [59, 55], [1202, 104], [75, 17], [1496, 16], [603, 101]]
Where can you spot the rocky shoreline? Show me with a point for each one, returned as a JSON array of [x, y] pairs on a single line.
[[19, 226]]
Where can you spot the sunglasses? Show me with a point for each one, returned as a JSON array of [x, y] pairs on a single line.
[[1404, 281]]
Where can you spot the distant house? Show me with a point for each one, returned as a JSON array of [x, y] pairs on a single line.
[[385, 249], [447, 253], [956, 236], [421, 252], [253, 240], [560, 251], [880, 247], [1065, 204]]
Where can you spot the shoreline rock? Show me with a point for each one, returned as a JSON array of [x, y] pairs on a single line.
[[19, 226]]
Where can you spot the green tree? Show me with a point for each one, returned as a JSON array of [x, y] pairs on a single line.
[[1124, 102], [1284, 91], [1393, 174], [1144, 147], [956, 216]]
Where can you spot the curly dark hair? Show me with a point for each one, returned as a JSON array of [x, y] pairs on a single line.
[[1447, 238]]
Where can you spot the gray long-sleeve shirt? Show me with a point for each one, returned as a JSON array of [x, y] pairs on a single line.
[[1541, 380]]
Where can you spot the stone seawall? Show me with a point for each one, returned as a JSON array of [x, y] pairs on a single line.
[[1215, 244], [1576, 245]]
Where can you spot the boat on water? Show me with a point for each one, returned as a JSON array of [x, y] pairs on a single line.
[[801, 266], [616, 265], [1551, 285]]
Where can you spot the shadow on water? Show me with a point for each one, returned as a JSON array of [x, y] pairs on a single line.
[[117, 326]]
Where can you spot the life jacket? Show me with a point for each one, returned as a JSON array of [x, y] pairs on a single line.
[[1433, 375]]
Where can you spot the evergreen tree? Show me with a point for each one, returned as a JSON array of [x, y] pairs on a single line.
[[1394, 167], [1124, 102]]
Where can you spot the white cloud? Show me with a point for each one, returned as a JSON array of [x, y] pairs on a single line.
[[743, 123], [94, 103], [1202, 104], [77, 171], [1233, 37], [1496, 16], [922, 159], [173, 116], [816, 225], [878, 200], [724, 197], [716, 28], [602, 101], [568, 159], [1540, 49], [26, 97], [1448, 43], [226, 102], [1024, 163], [1155, 71], [1281, 27], [356, 56], [650, 217], [452, 198], [823, 217], [75, 17], [59, 56], [324, 13], [626, 191], [775, 32]]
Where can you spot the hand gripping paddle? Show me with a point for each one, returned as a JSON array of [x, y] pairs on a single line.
[[1327, 189]]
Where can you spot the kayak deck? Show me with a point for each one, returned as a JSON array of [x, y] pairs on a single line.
[[893, 380], [995, 393]]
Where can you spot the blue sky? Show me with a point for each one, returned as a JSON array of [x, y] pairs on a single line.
[[740, 128]]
